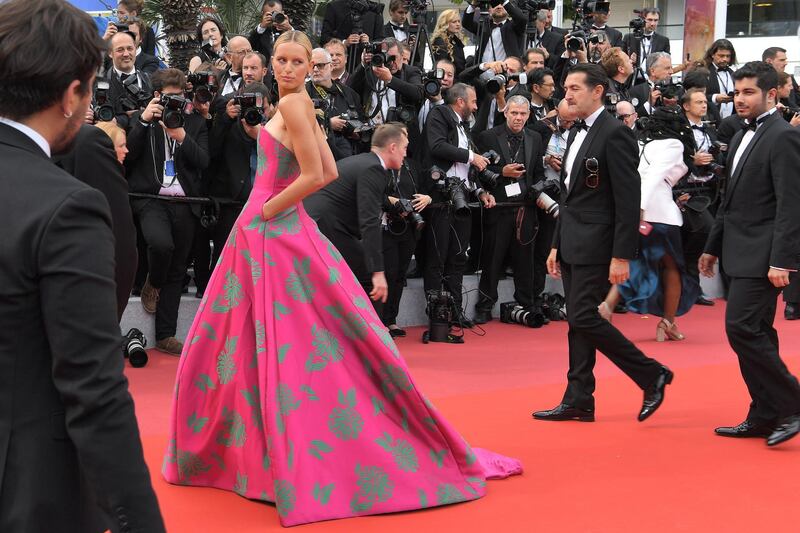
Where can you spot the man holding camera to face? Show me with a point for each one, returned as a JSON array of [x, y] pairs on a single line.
[[500, 36], [519, 170], [659, 89], [450, 157], [273, 22], [168, 149]]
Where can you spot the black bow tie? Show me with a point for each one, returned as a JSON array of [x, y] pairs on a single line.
[[601, 28], [699, 128], [723, 69], [123, 76], [514, 137], [579, 125], [465, 125], [754, 124], [235, 77], [648, 37], [396, 27], [497, 25]]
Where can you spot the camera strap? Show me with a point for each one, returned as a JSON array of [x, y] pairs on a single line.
[[170, 174]]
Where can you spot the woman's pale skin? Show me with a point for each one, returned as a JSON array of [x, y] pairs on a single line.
[[121, 147], [210, 31]]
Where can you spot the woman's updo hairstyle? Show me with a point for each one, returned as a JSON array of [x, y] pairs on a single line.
[[294, 36]]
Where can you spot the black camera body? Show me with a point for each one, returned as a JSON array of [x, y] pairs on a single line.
[[134, 97], [279, 18], [487, 178], [790, 112], [204, 85], [252, 105], [541, 192], [576, 40], [513, 313], [440, 310], [452, 188], [717, 167], [636, 25], [669, 89], [379, 57], [133, 344], [402, 113], [103, 110], [432, 82], [122, 27], [210, 52], [494, 85], [403, 209], [175, 107], [354, 126], [537, 5]]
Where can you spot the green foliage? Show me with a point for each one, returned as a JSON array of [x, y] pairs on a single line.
[[179, 22]]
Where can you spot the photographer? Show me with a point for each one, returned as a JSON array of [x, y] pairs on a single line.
[[542, 89], [273, 22], [144, 62], [397, 26], [449, 149], [339, 106], [338, 53], [349, 209], [494, 82], [619, 69], [401, 230], [544, 39], [231, 79], [499, 36], [354, 22], [718, 60], [433, 100], [511, 230], [129, 89], [390, 91], [166, 161], [535, 58], [211, 33], [600, 23], [646, 96], [598, 44], [649, 42], [128, 10]]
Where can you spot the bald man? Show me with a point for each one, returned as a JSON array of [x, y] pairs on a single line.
[[231, 80], [627, 113]]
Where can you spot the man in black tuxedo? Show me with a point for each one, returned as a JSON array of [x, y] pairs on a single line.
[[349, 210], [398, 26], [650, 43], [645, 96], [230, 81], [145, 62], [545, 39], [755, 236], [619, 68], [595, 238], [600, 23], [93, 161], [718, 60], [166, 162], [511, 229], [500, 35], [70, 449], [340, 23], [129, 88], [450, 150], [264, 34], [491, 104]]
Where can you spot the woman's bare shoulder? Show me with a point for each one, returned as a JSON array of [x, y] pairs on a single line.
[[294, 102]]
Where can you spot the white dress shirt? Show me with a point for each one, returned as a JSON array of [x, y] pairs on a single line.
[[494, 51], [725, 80], [555, 146], [746, 140], [29, 132], [230, 85], [661, 166], [400, 34], [575, 147], [701, 139], [422, 117], [388, 99], [461, 169]]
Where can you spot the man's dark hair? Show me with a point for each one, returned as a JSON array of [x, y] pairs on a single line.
[[766, 76], [394, 5], [260, 57], [595, 75], [220, 25], [687, 96], [271, 3], [696, 78], [537, 75], [719, 44], [650, 10], [537, 51], [44, 46], [169, 77], [771, 52], [458, 90]]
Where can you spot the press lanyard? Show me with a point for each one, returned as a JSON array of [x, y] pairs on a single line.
[[170, 145]]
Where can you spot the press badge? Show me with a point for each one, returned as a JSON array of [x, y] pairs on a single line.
[[169, 172], [513, 190]]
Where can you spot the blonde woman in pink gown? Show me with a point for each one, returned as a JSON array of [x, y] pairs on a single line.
[[289, 388]]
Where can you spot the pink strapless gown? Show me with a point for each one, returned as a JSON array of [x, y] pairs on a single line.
[[290, 390]]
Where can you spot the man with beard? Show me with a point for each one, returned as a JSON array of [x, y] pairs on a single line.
[[69, 444]]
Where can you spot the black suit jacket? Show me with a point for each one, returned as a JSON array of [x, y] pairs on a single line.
[[354, 203], [117, 92], [146, 63], [70, 454], [597, 224], [758, 223], [145, 160], [93, 161], [407, 85], [441, 51], [614, 35], [660, 43], [553, 42], [262, 42], [532, 153], [512, 31], [728, 128], [441, 141], [230, 146], [339, 23], [640, 95]]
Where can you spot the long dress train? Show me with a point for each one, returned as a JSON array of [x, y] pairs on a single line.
[[290, 390]]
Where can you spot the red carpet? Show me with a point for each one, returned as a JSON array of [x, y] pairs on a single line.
[[667, 474]]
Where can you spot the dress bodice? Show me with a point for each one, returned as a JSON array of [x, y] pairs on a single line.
[[277, 166]]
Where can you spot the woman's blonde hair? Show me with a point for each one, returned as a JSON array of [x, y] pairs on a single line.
[[112, 130], [445, 18], [294, 36]]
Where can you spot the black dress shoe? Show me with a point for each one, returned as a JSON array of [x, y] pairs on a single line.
[[702, 300], [565, 412], [744, 430], [654, 394], [397, 332], [792, 311], [620, 309], [788, 428], [482, 316]]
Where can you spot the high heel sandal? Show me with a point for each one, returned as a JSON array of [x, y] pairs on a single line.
[[668, 330]]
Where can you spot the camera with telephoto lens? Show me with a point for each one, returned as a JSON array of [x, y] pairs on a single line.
[[432, 82], [208, 48], [353, 126], [252, 107], [403, 209], [134, 97], [669, 89], [486, 177], [204, 85], [452, 188], [403, 113], [133, 346], [103, 110], [513, 313], [637, 25], [278, 18], [439, 308], [379, 57], [174, 110], [575, 40], [494, 85], [539, 193]]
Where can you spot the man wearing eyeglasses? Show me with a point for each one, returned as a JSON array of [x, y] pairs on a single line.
[[596, 236], [231, 79]]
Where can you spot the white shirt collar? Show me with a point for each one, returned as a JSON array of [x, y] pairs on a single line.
[[34, 135], [591, 118], [119, 72], [383, 163], [138, 51]]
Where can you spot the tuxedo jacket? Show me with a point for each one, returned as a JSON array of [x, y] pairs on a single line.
[[145, 160], [597, 224], [531, 156], [660, 43], [93, 161], [354, 203], [440, 51], [388, 31], [230, 147], [485, 108], [117, 91], [70, 453], [758, 224], [512, 31], [341, 99], [614, 35], [728, 127], [407, 85], [338, 23], [553, 42], [262, 42], [441, 141], [713, 86], [146, 63]]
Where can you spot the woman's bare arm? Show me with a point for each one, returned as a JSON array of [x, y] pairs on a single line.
[[329, 170]]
